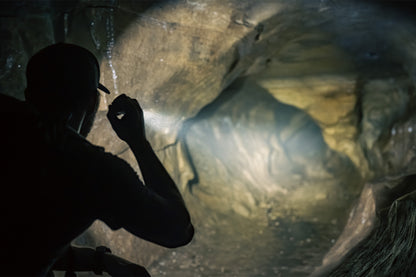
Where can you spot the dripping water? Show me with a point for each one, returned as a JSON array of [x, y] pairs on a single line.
[[94, 35], [66, 16], [110, 46]]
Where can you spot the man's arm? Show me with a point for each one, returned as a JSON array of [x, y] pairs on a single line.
[[154, 173], [167, 221]]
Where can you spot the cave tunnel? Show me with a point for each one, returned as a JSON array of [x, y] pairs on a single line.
[[288, 126]]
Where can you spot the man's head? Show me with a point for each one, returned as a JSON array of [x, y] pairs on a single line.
[[62, 82]]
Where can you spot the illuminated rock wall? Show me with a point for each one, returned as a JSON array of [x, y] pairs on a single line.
[[270, 116]]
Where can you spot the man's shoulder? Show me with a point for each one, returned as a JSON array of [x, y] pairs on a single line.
[[76, 140], [93, 154], [84, 148]]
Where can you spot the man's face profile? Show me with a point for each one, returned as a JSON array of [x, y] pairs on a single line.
[[90, 115], [93, 103]]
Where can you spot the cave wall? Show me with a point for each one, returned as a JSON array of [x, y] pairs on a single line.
[[271, 116]]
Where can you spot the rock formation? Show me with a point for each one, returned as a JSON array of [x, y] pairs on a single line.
[[287, 125]]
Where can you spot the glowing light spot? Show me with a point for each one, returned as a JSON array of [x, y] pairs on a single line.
[[159, 122]]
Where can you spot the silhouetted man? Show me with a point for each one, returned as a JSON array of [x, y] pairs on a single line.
[[55, 184]]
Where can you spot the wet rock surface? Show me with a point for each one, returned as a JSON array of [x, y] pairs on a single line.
[[270, 116]]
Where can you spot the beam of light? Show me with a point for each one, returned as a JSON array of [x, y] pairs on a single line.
[[159, 122]]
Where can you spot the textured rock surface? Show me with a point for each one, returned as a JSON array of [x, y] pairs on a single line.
[[388, 249], [270, 116]]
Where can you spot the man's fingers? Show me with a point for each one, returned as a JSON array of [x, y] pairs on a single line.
[[123, 103], [119, 102], [135, 102], [121, 97], [124, 98], [112, 115]]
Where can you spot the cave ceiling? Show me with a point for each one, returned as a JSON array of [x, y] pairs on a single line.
[[282, 122]]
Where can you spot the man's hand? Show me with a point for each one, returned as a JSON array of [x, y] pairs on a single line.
[[126, 118]]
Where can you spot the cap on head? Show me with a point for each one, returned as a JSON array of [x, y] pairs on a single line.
[[62, 75]]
